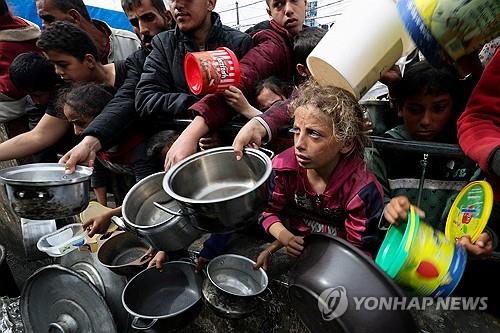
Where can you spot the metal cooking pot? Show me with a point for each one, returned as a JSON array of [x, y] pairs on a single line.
[[124, 253], [162, 230], [327, 276], [164, 300], [235, 275], [42, 191], [218, 192], [381, 115]]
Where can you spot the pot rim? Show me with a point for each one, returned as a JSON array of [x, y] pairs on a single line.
[[261, 270], [81, 174], [171, 173], [165, 316], [127, 198], [121, 234]]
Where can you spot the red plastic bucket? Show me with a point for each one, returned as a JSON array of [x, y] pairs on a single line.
[[211, 72]]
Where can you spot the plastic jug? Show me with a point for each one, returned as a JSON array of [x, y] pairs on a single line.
[[366, 41]]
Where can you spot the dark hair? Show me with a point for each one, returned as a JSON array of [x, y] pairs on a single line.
[[304, 42], [87, 99], [421, 77], [128, 5], [66, 5], [33, 72], [4, 9], [275, 85], [67, 38]]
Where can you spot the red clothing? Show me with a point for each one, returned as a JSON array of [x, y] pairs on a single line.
[[350, 206], [271, 55], [479, 125], [16, 36]]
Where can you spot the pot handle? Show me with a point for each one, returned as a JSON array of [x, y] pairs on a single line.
[[268, 152], [269, 296], [148, 323], [171, 212], [119, 222], [30, 195]]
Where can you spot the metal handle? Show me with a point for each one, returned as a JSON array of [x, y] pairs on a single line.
[[65, 324], [119, 222], [262, 297], [171, 212], [147, 325], [268, 152]]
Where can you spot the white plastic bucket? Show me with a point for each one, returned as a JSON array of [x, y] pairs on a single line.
[[366, 41]]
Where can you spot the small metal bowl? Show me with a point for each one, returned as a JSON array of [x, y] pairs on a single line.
[[235, 275]]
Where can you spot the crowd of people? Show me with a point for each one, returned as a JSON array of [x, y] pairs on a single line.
[[112, 100]]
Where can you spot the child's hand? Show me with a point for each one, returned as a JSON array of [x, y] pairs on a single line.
[[201, 263], [159, 260], [235, 98], [98, 224], [211, 141], [483, 247], [295, 246], [397, 210], [263, 260]]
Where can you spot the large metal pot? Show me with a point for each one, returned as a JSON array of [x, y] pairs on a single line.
[[381, 115], [327, 276], [42, 191], [219, 192], [164, 300], [162, 230], [124, 253]]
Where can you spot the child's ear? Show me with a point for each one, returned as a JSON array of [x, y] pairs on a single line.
[[75, 16], [90, 61], [400, 110], [348, 146], [268, 11], [302, 70]]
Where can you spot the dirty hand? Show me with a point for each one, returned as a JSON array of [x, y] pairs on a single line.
[[397, 210], [295, 245], [84, 153], [201, 263], [392, 77], [159, 260], [251, 134], [180, 149], [263, 260], [211, 141], [483, 247], [235, 98], [367, 124], [98, 224]]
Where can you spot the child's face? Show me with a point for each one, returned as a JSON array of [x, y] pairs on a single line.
[[266, 98], [70, 68], [41, 98], [426, 116], [78, 121], [290, 14], [314, 140]]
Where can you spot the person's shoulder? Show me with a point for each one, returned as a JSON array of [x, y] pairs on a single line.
[[121, 33], [285, 161]]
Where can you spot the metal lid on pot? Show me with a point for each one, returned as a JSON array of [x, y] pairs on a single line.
[[43, 174], [57, 299]]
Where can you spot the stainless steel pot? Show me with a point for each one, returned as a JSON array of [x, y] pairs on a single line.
[[42, 191], [380, 114], [162, 230], [218, 192], [124, 253], [164, 300]]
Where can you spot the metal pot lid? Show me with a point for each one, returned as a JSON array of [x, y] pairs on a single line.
[[225, 305], [43, 174], [383, 102], [57, 299]]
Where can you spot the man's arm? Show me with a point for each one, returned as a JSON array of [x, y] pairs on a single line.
[[46, 133]]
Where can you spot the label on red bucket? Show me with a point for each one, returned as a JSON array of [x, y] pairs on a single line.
[[211, 72]]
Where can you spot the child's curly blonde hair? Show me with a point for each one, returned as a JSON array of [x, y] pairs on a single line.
[[339, 105]]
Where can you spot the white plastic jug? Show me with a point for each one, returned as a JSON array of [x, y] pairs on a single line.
[[366, 41]]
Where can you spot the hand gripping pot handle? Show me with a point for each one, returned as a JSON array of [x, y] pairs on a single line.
[[119, 222], [147, 324]]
